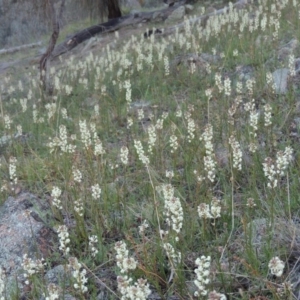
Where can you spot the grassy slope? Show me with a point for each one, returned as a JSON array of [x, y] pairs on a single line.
[[137, 82]]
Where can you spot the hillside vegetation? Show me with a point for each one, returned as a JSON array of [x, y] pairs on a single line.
[[171, 163]]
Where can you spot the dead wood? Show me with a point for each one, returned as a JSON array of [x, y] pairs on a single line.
[[112, 25], [55, 27], [19, 48]]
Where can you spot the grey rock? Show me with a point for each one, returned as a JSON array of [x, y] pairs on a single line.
[[244, 72], [287, 50], [210, 58], [21, 232], [284, 53], [293, 44], [57, 275], [157, 15], [280, 77], [189, 8], [7, 139], [281, 235], [176, 15], [69, 297], [210, 10], [4, 140], [140, 104]]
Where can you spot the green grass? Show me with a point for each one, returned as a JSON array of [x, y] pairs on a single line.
[[178, 105]]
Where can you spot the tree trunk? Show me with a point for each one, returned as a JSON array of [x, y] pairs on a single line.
[[55, 27], [113, 9]]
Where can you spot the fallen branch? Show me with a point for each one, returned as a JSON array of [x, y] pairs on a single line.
[[19, 48], [112, 25]]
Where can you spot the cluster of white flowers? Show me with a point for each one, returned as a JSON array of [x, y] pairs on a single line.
[[253, 122], [272, 170], [250, 85], [53, 292], [98, 147], [140, 151], [292, 65], [253, 128], [227, 86], [96, 110], [216, 296], [7, 121], [85, 134], [51, 109], [96, 191], [140, 289], [55, 194], [276, 23], [169, 174], [202, 275], [13, 170], [160, 122], [178, 113], [78, 207], [173, 256], [283, 159], [62, 141], [213, 212], [268, 115], [64, 239], [127, 86], [124, 262], [68, 89], [191, 126], [103, 90], [173, 143], [237, 153], [31, 266], [172, 208], [232, 110], [192, 67], [23, 103], [129, 122], [20, 86], [143, 227], [239, 88], [276, 266], [79, 274], [167, 66], [84, 82], [124, 155], [77, 175], [208, 93], [140, 114], [152, 137], [64, 113], [93, 241], [209, 160], [19, 130], [251, 203], [270, 81], [218, 81]]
